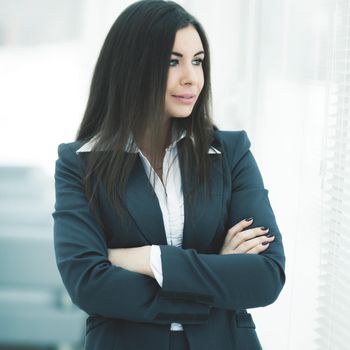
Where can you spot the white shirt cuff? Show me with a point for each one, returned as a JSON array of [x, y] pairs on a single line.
[[156, 264]]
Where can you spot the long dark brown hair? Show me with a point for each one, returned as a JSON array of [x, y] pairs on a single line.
[[127, 94]]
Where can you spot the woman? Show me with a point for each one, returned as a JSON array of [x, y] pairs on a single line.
[[163, 230]]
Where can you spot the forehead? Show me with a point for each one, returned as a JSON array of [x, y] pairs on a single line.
[[187, 40]]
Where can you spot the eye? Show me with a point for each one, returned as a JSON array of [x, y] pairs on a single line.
[[172, 61], [199, 60]]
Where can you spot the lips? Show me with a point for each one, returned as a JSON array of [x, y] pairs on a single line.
[[185, 95], [185, 99]]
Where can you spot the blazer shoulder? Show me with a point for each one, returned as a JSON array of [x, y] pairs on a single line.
[[70, 147], [68, 158], [234, 143]]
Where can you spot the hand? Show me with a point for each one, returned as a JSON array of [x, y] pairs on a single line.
[[248, 241], [133, 259]]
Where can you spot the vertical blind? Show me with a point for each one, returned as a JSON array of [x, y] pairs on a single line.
[[333, 323]]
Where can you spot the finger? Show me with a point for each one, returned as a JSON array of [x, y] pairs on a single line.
[[260, 247], [251, 244], [248, 235], [241, 225]]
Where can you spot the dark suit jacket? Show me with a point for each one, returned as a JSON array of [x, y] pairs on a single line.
[[206, 292]]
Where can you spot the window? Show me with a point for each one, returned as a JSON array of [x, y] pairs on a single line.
[[334, 288]]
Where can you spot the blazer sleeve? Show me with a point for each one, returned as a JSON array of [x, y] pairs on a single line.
[[93, 283], [234, 281]]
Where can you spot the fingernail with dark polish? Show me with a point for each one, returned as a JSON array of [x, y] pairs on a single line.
[[264, 228], [265, 243], [269, 235], [249, 219]]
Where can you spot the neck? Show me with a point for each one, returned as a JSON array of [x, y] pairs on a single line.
[[164, 141]]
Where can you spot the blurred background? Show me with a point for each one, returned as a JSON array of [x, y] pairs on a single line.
[[280, 71]]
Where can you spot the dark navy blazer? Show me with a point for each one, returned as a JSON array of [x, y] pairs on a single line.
[[206, 292]]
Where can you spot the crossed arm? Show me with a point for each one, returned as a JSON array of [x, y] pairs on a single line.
[[238, 240]]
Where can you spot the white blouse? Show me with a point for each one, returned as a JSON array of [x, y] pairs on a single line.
[[171, 203]]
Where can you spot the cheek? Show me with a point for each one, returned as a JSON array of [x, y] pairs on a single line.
[[201, 80], [170, 81]]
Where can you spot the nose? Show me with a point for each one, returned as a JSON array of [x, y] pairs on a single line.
[[189, 75]]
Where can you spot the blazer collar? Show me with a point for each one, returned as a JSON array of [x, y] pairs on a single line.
[[88, 146]]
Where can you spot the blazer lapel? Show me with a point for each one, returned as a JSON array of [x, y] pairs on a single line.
[[143, 205], [202, 219]]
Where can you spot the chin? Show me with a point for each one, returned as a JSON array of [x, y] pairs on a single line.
[[180, 115]]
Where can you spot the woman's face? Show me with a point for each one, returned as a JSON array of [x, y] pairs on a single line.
[[185, 75]]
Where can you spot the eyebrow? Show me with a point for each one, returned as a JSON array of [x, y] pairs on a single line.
[[180, 55]]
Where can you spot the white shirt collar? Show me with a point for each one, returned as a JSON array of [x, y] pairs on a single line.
[[87, 147]]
